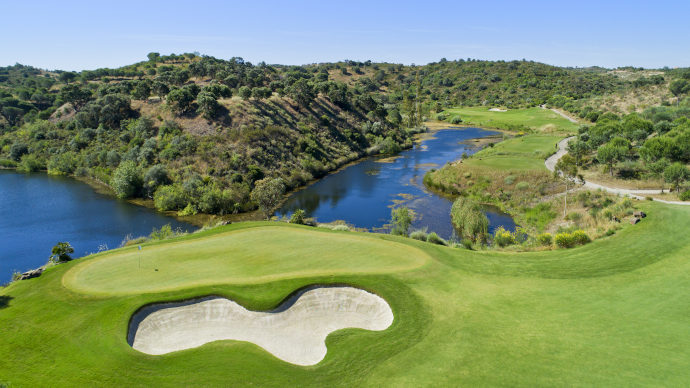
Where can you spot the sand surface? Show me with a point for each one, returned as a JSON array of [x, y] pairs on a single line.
[[295, 332]]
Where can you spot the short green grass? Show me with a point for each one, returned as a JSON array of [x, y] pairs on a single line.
[[267, 253], [519, 153], [537, 119], [612, 313]]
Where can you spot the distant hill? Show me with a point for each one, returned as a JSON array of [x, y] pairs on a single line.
[[196, 133]]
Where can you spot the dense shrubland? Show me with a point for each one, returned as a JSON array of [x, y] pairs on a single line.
[[195, 133], [653, 145]]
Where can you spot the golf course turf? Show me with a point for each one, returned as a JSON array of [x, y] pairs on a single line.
[[612, 313]]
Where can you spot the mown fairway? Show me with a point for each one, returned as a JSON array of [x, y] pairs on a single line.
[[612, 313], [533, 118], [518, 153]]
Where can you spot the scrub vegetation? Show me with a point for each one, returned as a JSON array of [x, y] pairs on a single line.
[[195, 133]]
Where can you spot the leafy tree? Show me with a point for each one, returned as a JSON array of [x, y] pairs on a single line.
[[113, 109], [609, 154], [401, 220], [180, 100], [160, 88], [61, 252], [566, 167], [208, 105], [245, 92], [267, 193], [18, 150], [126, 180], [67, 76], [303, 92], [153, 57], [679, 87], [578, 149], [467, 216], [75, 95], [12, 114], [155, 176], [261, 93], [659, 147], [142, 90], [676, 174]]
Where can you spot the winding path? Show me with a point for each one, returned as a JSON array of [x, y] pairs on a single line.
[[551, 161], [558, 112]]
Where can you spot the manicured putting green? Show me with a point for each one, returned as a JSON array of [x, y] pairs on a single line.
[[243, 256]]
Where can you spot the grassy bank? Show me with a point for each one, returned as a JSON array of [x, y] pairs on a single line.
[[609, 313]]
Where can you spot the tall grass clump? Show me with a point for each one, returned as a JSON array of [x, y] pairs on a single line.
[[419, 234], [467, 216], [435, 239]]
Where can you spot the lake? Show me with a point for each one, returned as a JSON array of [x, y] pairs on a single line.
[[39, 210], [362, 194]]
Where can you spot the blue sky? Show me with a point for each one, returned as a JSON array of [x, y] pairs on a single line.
[[77, 35]]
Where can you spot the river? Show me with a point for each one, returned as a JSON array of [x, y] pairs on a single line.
[[39, 210], [362, 194]]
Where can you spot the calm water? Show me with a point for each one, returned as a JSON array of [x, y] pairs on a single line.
[[38, 210], [362, 194]]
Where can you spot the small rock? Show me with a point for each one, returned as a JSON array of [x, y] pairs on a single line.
[[634, 220], [34, 273], [640, 214]]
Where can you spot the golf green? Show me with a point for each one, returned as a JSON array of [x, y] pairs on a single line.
[[612, 313]]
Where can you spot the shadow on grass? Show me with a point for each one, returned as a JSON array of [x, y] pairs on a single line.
[[5, 301]]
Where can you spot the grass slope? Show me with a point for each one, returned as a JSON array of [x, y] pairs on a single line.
[[518, 153], [537, 119], [611, 313]]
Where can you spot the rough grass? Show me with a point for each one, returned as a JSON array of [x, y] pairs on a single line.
[[536, 119], [611, 313]]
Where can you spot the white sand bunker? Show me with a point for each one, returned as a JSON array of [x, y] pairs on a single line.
[[295, 332]]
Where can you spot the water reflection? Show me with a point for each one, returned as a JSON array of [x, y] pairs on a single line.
[[38, 210], [363, 194]]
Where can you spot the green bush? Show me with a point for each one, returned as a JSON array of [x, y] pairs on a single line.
[[455, 120], [522, 186], [442, 116], [503, 237], [435, 239], [8, 163], [545, 239], [509, 180], [30, 163], [419, 235], [169, 198], [565, 240], [685, 195], [127, 181], [298, 217], [343, 228], [580, 237], [569, 240]]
